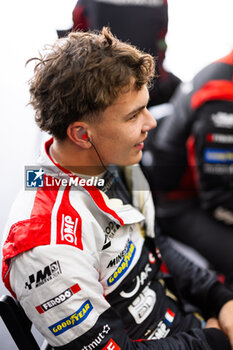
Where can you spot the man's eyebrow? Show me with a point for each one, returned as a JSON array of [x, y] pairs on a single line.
[[136, 110]]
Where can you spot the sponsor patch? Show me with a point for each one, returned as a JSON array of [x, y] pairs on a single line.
[[115, 261], [218, 169], [219, 138], [111, 346], [59, 299], [143, 305], [138, 281], [73, 320], [212, 155], [68, 229], [42, 276], [223, 120], [125, 264], [160, 332], [162, 329], [98, 340], [68, 224]]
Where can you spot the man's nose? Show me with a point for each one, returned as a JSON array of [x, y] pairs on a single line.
[[150, 122]]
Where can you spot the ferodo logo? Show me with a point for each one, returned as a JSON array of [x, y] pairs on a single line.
[[125, 264], [73, 320], [59, 299]]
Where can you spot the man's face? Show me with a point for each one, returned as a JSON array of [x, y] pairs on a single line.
[[123, 127]]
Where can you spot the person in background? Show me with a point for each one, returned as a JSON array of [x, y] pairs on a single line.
[[142, 23], [192, 171], [81, 253]]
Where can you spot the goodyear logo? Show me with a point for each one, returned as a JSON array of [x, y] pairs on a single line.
[[125, 264], [212, 155], [73, 320]]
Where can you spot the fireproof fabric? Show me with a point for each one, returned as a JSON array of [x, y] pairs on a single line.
[[85, 267]]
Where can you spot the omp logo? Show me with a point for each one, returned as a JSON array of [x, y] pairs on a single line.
[[125, 264], [111, 346], [73, 320], [118, 258], [138, 282], [98, 339], [110, 231], [68, 229], [59, 299], [223, 156], [42, 276]]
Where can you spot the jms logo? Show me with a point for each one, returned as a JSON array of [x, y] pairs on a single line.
[[68, 229], [42, 276]]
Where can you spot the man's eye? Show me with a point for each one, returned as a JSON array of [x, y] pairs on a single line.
[[133, 117]]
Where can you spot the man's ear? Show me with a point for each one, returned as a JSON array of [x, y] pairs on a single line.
[[77, 132]]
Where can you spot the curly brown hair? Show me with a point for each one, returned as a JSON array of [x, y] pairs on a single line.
[[81, 75]]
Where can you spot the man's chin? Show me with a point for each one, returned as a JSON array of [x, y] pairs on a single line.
[[134, 160]]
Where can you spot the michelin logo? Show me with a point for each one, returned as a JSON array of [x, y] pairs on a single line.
[[125, 264], [73, 320]]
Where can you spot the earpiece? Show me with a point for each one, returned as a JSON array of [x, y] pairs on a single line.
[[85, 137], [82, 134]]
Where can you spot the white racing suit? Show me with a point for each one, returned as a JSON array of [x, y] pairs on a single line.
[[85, 268]]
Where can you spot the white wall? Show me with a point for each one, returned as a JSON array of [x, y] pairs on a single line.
[[199, 32]]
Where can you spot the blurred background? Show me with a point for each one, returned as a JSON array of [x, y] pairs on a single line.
[[199, 31]]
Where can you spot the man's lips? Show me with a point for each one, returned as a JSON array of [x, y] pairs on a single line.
[[139, 146]]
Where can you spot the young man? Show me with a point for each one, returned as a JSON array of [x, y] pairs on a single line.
[[81, 258]]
